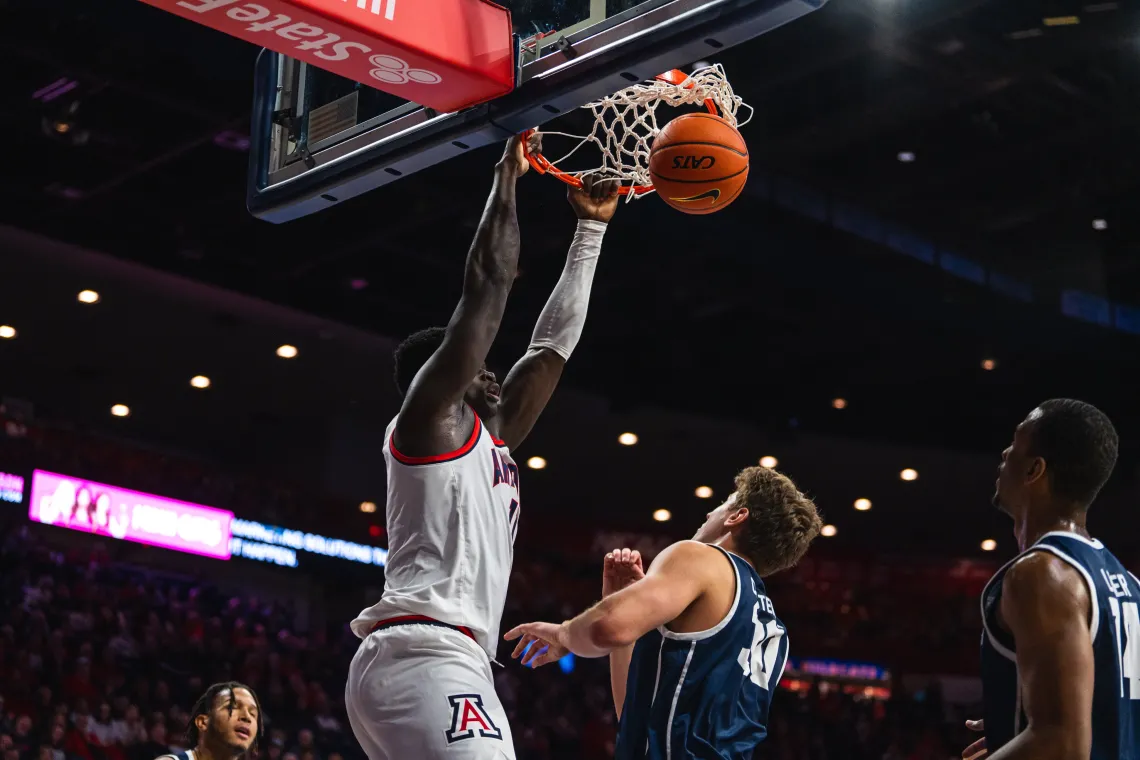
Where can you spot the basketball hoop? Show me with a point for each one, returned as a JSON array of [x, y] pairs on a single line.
[[625, 125]]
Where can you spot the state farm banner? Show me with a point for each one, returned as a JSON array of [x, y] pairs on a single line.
[[443, 54]]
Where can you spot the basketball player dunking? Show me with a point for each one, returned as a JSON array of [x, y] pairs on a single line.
[[695, 645], [1061, 650], [225, 724], [420, 685]]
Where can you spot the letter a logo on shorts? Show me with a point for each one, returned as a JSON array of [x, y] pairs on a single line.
[[468, 716]]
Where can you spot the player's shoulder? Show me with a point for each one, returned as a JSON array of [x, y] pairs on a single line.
[[1043, 575], [691, 557]]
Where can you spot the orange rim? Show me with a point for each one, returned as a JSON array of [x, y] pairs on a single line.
[[542, 165]]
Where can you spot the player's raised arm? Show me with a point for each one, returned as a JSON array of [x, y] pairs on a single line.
[[676, 579], [1046, 606], [432, 418], [532, 380]]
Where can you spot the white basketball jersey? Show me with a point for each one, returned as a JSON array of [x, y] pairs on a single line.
[[452, 521]]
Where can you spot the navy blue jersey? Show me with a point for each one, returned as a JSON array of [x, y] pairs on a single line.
[[1115, 628], [706, 695]]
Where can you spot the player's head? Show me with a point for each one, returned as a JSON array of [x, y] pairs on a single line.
[[227, 719], [1061, 456], [417, 348], [767, 519]]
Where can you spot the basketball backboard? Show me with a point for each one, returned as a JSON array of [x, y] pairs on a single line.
[[319, 139]]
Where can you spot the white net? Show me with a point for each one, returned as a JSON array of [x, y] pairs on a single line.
[[625, 123]]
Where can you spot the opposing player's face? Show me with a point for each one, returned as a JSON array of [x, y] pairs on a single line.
[[714, 525], [233, 721], [483, 394], [1016, 469]]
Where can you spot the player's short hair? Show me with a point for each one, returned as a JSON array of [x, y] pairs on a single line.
[[205, 705], [413, 354], [781, 520], [1079, 445]]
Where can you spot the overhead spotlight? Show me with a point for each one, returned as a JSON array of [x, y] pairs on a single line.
[[908, 474], [7, 332], [862, 504], [1100, 224], [988, 364], [906, 157], [121, 410], [769, 462], [989, 545], [703, 492], [662, 515], [827, 531], [536, 463], [367, 507], [287, 351], [201, 382], [627, 439], [838, 403], [88, 296]]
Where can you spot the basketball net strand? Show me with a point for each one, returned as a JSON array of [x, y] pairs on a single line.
[[625, 123]]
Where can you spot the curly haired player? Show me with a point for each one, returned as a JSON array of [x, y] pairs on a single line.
[[695, 645], [225, 724]]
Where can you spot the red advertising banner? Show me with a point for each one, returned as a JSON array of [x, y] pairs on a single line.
[[443, 54]]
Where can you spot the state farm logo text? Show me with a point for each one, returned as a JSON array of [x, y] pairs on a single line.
[[312, 39]]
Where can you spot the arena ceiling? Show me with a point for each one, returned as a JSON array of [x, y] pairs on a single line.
[[1020, 122]]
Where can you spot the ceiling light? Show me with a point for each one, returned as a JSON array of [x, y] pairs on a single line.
[[827, 531], [862, 504], [662, 515], [88, 296], [838, 403], [7, 332], [627, 439], [988, 364], [536, 463], [200, 381], [769, 462], [1100, 224], [906, 157], [121, 410], [908, 474], [287, 351], [989, 545], [703, 492], [367, 507]]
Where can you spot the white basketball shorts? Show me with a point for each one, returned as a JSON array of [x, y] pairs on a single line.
[[425, 692]]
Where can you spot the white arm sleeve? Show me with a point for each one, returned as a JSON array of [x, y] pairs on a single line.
[[560, 324]]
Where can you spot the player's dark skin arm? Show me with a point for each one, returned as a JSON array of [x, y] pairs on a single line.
[[1046, 606], [433, 419], [531, 382]]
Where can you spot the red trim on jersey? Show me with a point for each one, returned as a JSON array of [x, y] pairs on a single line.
[[465, 448], [413, 619], [496, 441]]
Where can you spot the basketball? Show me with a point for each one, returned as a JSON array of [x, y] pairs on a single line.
[[699, 163]]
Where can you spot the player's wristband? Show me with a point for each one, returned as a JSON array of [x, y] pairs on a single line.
[[560, 324]]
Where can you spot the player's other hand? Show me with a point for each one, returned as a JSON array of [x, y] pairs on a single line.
[[620, 568], [539, 643], [514, 157], [977, 750], [597, 199]]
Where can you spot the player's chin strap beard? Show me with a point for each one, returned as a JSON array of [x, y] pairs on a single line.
[[560, 324]]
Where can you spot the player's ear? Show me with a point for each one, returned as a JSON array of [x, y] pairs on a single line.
[[736, 518], [1036, 471], [201, 722]]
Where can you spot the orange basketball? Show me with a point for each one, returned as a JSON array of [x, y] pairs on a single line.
[[699, 163]]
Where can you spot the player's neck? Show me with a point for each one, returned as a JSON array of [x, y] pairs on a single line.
[[1032, 524], [204, 752]]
